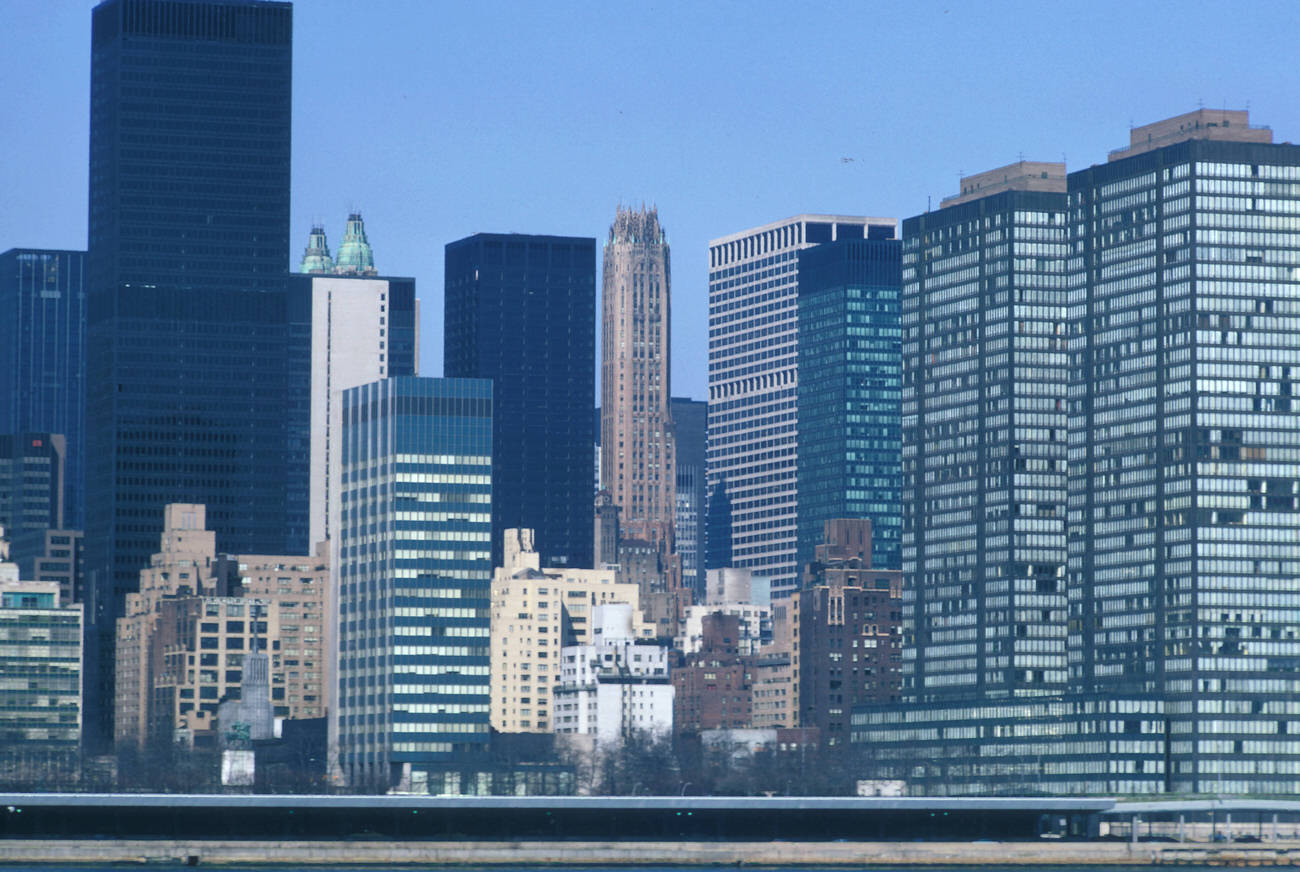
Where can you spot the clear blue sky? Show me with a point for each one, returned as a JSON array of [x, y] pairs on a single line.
[[441, 119]]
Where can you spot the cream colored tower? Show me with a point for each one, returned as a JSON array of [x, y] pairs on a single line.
[[535, 612]]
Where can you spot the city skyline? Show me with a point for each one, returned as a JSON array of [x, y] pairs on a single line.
[[1054, 412], [745, 95]]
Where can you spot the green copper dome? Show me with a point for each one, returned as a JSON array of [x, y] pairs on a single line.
[[316, 257], [355, 256]]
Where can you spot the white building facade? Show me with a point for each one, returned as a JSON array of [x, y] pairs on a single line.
[[617, 687]]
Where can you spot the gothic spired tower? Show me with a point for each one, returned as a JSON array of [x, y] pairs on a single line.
[[638, 450]]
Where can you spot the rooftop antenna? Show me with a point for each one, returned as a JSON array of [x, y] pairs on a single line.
[[1020, 156], [1200, 102]]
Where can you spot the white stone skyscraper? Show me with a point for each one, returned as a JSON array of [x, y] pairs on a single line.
[[363, 327]]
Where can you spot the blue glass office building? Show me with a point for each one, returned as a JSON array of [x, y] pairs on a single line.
[[850, 383], [521, 310], [42, 355], [198, 368], [415, 578], [690, 417]]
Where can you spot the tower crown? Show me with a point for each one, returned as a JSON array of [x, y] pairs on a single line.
[[355, 256], [637, 226], [316, 257]]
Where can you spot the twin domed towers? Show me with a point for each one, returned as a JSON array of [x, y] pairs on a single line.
[[355, 257]]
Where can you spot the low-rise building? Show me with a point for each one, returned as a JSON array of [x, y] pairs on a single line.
[[753, 626], [618, 686], [713, 686]]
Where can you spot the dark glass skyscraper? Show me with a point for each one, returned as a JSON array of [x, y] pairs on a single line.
[[690, 418], [753, 386], [850, 380], [983, 313], [198, 367], [521, 311], [42, 355]]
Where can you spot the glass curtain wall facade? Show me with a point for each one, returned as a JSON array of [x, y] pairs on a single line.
[[850, 381], [984, 445], [753, 385], [1184, 511], [521, 310], [42, 355], [414, 573], [689, 417], [198, 368]]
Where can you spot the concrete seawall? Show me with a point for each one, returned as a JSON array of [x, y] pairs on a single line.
[[430, 853]]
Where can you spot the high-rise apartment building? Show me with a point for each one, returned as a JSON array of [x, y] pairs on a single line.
[[753, 387], [364, 327], [638, 441], [521, 310], [690, 424], [536, 612], [414, 579], [984, 439], [1184, 410], [42, 356], [850, 383], [196, 618], [848, 645], [198, 368]]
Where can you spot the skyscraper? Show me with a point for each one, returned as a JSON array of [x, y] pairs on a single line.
[[33, 467], [415, 579], [850, 382], [984, 439], [198, 368], [690, 422], [42, 356], [521, 310], [754, 381], [638, 444], [1182, 514], [1184, 488], [363, 328]]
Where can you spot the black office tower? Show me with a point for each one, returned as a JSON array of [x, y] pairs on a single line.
[[42, 355], [521, 310], [198, 371]]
